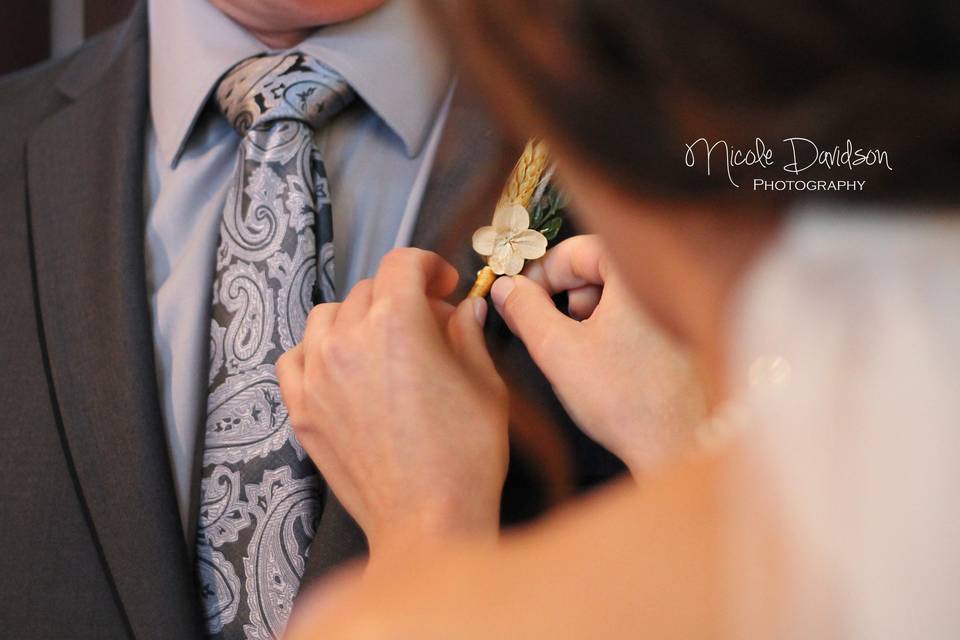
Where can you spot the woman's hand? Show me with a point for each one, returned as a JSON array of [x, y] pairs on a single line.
[[625, 383], [395, 398]]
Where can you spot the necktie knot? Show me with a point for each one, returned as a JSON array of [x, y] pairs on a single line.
[[293, 86]]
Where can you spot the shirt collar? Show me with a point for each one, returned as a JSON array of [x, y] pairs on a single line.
[[388, 56]]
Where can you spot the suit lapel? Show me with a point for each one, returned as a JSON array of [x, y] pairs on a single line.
[[472, 165], [85, 167], [454, 174], [469, 159]]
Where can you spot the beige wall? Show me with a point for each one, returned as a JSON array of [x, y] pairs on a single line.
[[66, 25]]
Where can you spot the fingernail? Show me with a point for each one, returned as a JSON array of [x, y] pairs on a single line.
[[501, 289], [480, 310]]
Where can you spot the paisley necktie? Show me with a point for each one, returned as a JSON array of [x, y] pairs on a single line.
[[260, 493]]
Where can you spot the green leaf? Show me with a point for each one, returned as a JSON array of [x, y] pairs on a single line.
[[546, 207], [551, 228], [539, 212], [561, 201], [547, 215]]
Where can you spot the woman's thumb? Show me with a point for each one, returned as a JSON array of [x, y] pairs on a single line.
[[530, 313]]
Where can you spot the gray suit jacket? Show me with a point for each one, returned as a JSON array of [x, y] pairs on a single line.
[[91, 545]]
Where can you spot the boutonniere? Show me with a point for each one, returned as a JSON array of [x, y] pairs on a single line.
[[528, 216]]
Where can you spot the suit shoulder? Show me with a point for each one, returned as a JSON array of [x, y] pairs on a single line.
[[25, 94], [28, 96]]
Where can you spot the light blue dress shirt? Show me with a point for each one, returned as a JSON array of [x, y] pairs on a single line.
[[378, 156]]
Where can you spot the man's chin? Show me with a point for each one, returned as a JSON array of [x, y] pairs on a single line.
[[265, 17], [327, 12]]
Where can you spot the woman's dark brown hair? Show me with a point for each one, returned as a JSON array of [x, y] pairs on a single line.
[[624, 84]]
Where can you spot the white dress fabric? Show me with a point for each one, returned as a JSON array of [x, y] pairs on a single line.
[[847, 359]]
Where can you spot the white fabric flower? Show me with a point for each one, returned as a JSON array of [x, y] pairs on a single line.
[[509, 241]]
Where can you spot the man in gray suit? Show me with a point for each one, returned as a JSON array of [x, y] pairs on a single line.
[[114, 171]]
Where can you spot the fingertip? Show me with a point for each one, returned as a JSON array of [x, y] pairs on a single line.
[[471, 313], [479, 310], [583, 301], [405, 269], [535, 271], [501, 290], [466, 329], [447, 280]]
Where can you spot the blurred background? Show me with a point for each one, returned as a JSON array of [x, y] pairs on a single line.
[[32, 31]]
